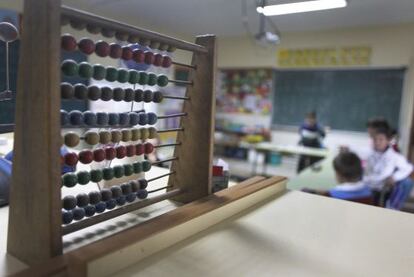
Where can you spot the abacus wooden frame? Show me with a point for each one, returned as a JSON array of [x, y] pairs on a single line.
[[35, 230]]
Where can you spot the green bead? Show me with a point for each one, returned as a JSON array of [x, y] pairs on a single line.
[[128, 169], [133, 76], [152, 79], [99, 72], [123, 75], [84, 177], [143, 78], [144, 42], [119, 171], [146, 166], [137, 167], [96, 175], [108, 173], [85, 70], [171, 48], [163, 47], [111, 74], [155, 44], [162, 80], [69, 67], [69, 180]]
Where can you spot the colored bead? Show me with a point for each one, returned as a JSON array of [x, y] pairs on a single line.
[[142, 119], [108, 173], [108, 33], [115, 50], [166, 61], [104, 137], [148, 148], [64, 117], [113, 119], [126, 53], [121, 200], [102, 48], [119, 94], [78, 213], [89, 210], [162, 80], [152, 132], [82, 199], [138, 55], [100, 207], [133, 118], [76, 117], [91, 138], [123, 75], [149, 57], [110, 204], [116, 136], [84, 177], [69, 202], [131, 197], [121, 36], [116, 192], [144, 41], [86, 46], [133, 39], [102, 118], [135, 134], [144, 133], [68, 42], [158, 58], [67, 217], [106, 94], [94, 197], [143, 184], [69, 67], [71, 139], [157, 97], [139, 149], [69, 180], [130, 150], [152, 79], [152, 118], [120, 151], [129, 95], [163, 47], [128, 168], [81, 91], [119, 171], [134, 185], [147, 96], [126, 188], [110, 153], [126, 135], [155, 44], [171, 48], [77, 25], [96, 175], [142, 194], [99, 72], [85, 156], [93, 29], [139, 95], [123, 119], [111, 74], [71, 159], [99, 155], [85, 70], [89, 118], [66, 91], [146, 166], [137, 167], [106, 194], [133, 76], [143, 77]]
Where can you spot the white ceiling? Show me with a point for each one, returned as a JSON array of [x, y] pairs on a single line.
[[224, 17]]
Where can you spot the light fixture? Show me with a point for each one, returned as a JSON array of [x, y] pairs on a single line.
[[300, 7]]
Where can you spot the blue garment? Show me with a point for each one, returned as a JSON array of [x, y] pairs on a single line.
[[350, 191], [399, 194], [311, 136]]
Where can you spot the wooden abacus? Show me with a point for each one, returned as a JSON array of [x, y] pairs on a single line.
[[35, 219]]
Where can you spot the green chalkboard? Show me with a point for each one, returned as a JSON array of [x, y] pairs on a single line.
[[343, 99]]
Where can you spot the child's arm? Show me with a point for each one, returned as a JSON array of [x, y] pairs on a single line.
[[403, 168], [375, 177], [315, 191]]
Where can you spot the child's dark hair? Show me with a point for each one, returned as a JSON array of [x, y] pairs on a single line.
[[387, 131], [348, 166], [378, 122]]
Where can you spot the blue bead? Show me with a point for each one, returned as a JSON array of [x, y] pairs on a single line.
[[131, 197], [142, 183], [67, 217], [121, 200], [133, 118], [123, 119], [78, 213], [113, 119], [100, 207], [110, 204], [142, 119], [89, 118], [90, 210], [64, 117], [152, 118], [142, 194], [76, 118], [102, 118]]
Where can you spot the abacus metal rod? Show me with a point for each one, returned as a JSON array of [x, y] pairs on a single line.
[[181, 82], [167, 145], [184, 65], [170, 130], [171, 115], [164, 161], [67, 229], [161, 176], [176, 97], [155, 190], [110, 24]]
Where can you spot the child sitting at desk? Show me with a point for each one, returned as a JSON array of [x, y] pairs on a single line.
[[348, 171]]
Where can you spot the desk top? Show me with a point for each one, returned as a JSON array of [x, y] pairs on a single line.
[[293, 149]]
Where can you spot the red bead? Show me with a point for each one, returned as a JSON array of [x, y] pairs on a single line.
[[99, 155], [130, 150], [71, 159], [120, 151], [86, 156], [86, 46], [102, 48], [148, 148], [110, 153], [149, 57], [127, 53], [166, 61], [115, 50], [158, 59], [139, 149], [138, 56], [68, 42]]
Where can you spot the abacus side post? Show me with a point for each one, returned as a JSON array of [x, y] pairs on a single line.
[[34, 231], [194, 165]]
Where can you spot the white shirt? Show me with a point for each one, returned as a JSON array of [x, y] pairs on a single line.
[[381, 165]]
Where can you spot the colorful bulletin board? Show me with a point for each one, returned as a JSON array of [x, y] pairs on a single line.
[[245, 91]]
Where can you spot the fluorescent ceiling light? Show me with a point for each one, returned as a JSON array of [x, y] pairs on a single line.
[[300, 7]]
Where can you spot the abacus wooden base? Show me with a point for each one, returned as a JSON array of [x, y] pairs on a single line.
[[114, 253]]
